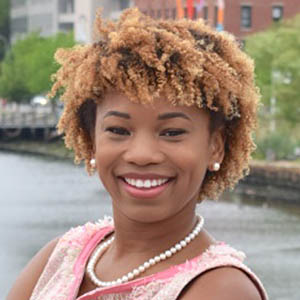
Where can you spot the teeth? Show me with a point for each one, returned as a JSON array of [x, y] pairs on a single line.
[[147, 184], [154, 182], [139, 183]]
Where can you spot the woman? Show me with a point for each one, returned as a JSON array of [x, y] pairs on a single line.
[[164, 112]]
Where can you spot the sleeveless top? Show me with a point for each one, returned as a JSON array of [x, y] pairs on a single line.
[[65, 269]]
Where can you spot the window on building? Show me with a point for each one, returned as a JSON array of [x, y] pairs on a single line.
[[246, 16], [216, 16], [167, 13], [66, 27], [158, 14], [124, 4], [66, 6], [17, 3], [19, 25], [174, 13], [277, 12], [205, 12], [195, 13]]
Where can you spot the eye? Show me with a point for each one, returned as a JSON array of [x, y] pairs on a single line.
[[173, 132], [118, 130]]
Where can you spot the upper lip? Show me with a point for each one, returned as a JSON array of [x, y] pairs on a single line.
[[145, 176]]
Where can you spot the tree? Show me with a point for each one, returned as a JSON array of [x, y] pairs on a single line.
[[276, 54], [27, 68], [4, 26]]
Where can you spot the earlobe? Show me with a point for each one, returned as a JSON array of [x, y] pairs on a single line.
[[217, 150], [93, 163]]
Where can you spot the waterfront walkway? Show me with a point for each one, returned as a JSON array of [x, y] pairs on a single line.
[[14, 120]]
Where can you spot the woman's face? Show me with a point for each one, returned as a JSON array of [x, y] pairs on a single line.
[[152, 159]]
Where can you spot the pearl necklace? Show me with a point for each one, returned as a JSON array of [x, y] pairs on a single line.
[[143, 267]]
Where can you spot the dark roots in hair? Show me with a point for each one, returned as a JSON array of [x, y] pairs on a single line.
[[142, 58]]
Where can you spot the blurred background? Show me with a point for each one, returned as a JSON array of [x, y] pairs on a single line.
[[42, 194]]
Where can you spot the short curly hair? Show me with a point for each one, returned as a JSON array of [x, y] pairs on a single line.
[[187, 61]]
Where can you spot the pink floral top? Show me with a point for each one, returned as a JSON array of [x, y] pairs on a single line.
[[65, 269]]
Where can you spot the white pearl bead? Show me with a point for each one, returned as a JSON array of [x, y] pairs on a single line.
[[178, 247], [162, 256], [168, 253], [130, 275], [146, 265], [141, 268], [157, 259], [151, 261], [197, 230], [192, 236], [183, 243], [119, 281], [173, 250], [124, 278], [187, 239], [136, 272]]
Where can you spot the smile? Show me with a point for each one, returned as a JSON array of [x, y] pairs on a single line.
[[148, 183], [146, 187]]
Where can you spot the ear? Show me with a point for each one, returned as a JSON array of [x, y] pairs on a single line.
[[216, 148]]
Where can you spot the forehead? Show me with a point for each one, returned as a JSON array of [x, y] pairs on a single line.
[[120, 102]]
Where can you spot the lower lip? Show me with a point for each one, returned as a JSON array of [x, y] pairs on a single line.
[[144, 192]]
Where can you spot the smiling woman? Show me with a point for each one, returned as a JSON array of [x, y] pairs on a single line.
[[135, 144], [163, 111]]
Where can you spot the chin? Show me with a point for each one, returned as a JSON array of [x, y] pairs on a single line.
[[145, 214]]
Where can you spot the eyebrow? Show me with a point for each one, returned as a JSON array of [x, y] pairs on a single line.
[[172, 115], [117, 114], [165, 116]]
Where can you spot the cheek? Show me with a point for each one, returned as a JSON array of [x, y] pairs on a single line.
[[193, 156], [192, 162], [105, 156]]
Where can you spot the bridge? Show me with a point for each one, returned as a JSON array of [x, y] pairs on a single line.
[[41, 121]]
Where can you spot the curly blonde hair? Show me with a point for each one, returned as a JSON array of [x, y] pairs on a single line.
[[143, 58]]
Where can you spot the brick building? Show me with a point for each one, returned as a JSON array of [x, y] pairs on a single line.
[[241, 17]]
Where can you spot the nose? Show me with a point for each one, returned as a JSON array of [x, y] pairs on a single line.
[[143, 149]]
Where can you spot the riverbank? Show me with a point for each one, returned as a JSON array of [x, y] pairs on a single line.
[[279, 181], [54, 148]]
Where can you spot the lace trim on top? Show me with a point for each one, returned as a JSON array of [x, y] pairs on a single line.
[[64, 272]]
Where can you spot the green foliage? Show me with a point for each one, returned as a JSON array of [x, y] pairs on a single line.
[[4, 26], [275, 146], [27, 69], [276, 54]]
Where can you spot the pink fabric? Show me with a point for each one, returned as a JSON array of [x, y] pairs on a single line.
[[64, 272]]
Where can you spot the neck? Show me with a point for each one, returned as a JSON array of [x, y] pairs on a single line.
[[135, 236]]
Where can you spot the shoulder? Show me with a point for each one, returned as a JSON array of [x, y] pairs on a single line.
[[26, 281], [222, 283], [72, 241]]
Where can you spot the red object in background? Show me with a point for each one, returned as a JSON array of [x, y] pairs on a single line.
[[190, 8]]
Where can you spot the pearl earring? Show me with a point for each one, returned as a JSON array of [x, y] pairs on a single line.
[[93, 163], [216, 166]]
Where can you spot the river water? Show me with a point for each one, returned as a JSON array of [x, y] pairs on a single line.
[[42, 198]]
